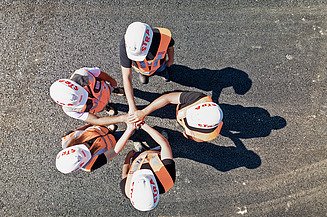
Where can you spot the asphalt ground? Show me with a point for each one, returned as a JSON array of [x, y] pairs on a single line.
[[263, 61]]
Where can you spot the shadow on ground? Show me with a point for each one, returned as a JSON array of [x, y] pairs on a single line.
[[239, 122], [220, 157], [212, 80]]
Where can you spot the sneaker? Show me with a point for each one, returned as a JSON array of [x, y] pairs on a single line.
[[166, 74], [110, 110], [143, 78], [119, 91], [138, 146]]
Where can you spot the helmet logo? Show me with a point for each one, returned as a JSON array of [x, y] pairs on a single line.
[[61, 103], [84, 153], [205, 105], [207, 125], [132, 189], [146, 39], [68, 152], [154, 190], [69, 84]]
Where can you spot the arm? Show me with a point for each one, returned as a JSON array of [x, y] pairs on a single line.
[[170, 52], [121, 142], [127, 81], [166, 152], [104, 76], [104, 121], [170, 98]]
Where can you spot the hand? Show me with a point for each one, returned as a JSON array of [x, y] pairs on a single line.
[[131, 126], [132, 110], [139, 124], [137, 116]]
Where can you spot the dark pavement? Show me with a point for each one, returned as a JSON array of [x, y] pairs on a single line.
[[263, 61]]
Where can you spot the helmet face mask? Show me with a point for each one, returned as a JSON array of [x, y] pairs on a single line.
[[144, 190], [66, 92]]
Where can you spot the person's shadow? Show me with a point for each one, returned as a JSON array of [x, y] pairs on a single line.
[[203, 79], [239, 122], [248, 122], [220, 157], [212, 80]]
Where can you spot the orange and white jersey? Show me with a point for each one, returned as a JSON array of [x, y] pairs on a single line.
[[97, 139], [198, 135], [98, 90], [151, 157], [148, 67]]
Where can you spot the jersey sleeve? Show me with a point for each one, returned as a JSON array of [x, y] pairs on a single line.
[[124, 60], [171, 168], [95, 71], [77, 115], [187, 98]]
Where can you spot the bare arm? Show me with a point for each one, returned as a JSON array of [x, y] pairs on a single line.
[[104, 76], [166, 152], [121, 142], [127, 80], [170, 98], [171, 53], [104, 121]]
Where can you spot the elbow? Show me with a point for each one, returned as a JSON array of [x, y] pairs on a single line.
[[94, 121]]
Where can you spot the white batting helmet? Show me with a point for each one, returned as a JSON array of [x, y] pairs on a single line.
[[144, 190], [206, 115], [68, 93], [138, 39], [72, 158]]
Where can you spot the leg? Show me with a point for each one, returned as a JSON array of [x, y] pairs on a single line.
[[143, 78], [164, 71]]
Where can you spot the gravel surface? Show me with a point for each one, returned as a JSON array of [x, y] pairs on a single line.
[[263, 61]]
